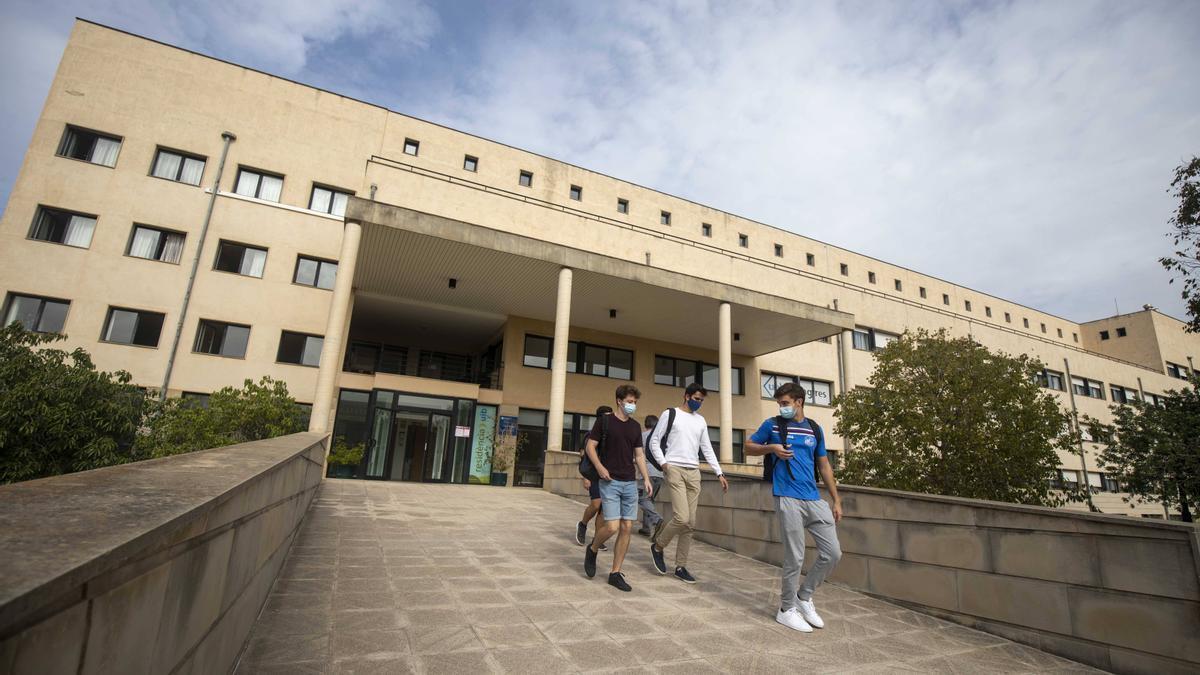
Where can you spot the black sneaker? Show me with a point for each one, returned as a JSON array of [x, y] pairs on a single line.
[[682, 574], [589, 562], [617, 580], [603, 547], [581, 533], [660, 565]]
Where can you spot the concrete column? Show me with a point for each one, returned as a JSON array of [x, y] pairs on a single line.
[[335, 327], [725, 375], [558, 366], [845, 348]]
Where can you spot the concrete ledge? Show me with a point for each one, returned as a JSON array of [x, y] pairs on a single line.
[[1117, 593], [152, 566]]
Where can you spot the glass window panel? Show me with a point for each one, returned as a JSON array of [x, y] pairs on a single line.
[[710, 377], [393, 360], [105, 151], [120, 326], [685, 372], [253, 262], [193, 171], [320, 199], [537, 351], [306, 271], [339, 203], [531, 418], [291, 347], [620, 364], [312, 351], [270, 188], [54, 316], [149, 327], [327, 275], [167, 164], [819, 393], [595, 360], [79, 231], [361, 358], [236, 338], [145, 243], [24, 309], [572, 357], [247, 184], [862, 340], [738, 378], [664, 371]]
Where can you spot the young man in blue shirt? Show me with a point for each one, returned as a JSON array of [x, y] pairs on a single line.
[[799, 505]]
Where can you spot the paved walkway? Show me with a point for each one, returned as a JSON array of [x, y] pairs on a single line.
[[397, 577]]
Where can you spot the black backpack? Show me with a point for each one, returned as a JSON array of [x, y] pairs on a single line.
[[771, 461], [586, 468]]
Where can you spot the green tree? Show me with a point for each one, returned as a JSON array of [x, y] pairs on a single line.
[[58, 414], [254, 412], [1185, 223], [1154, 450], [947, 416]]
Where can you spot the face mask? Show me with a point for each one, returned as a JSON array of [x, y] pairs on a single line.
[[787, 412], [629, 408], [693, 404]]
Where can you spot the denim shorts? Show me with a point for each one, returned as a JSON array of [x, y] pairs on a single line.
[[619, 499]]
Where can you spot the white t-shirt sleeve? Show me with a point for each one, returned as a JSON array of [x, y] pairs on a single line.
[[706, 447], [656, 438]]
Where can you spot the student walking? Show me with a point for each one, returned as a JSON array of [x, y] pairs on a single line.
[[593, 488], [791, 444], [650, 515], [619, 462], [683, 433]]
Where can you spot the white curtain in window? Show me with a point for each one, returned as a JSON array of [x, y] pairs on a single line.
[[145, 243], [105, 151], [173, 248], [167, 165], [247, 183], [270, 189], [339, 204], [253, 262], [79, 231], [193, 171], [320, 200]]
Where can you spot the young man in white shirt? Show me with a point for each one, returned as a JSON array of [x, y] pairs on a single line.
[[681, 473]]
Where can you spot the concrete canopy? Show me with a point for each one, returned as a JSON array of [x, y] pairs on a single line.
[[410, 254]]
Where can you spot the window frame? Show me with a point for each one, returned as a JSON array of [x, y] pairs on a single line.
[[575, 193], [1087, 387], [1044, 379], [898, 285], [577, 357], [159, 247], [808, 383], [871, 278], [870, 334], [778, 250], [237, 180], [664, 218], [11, 297], [303, 349], [622, 206], [525, 178], [222, 242], [844, 269], [810, 260], [923, 293], [321, 262], [225, 325], [334, 191], [43, 211], [158, 150], [697, 374], [706, 229], [108, 316], [68, 129], [416, 147], [1181, 372], [471, 160]]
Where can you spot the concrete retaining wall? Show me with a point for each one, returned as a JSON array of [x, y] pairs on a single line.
[[153, 567], [1116, 593]]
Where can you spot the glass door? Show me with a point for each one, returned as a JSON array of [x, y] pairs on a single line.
[[381, 428], [435, 448]]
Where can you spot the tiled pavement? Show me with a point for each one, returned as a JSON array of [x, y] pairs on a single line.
[[398, 577]]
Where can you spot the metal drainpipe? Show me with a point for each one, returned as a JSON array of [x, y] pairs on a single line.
[[1087, 489], [841, 377], [228, 137]]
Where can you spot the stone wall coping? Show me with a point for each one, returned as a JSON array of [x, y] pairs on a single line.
[[1151, 527], [58, 533]]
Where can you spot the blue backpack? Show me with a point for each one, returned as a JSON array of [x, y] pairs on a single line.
[[771, 461]]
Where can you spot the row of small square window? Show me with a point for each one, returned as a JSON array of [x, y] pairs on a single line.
[[153, 243], [143, 328], [1082, 386], [185, 167]]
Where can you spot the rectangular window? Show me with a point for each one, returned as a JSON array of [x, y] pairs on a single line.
[[63, 227], [300, 348], [525, 179], [538, 351], [739, 443], [845, 269], [967, 305], [1025, 321], [706, 229], [315, 272], [1085, 387], [328, 200], [1075, 337], [37, 314], [622, 206], [221, 339], [862, 339], [1120, 332], [778, 250], [870, 339], [743, 241], [132, 327], [1007, 317], [582, 358], [576, 193], [1051, 379], [871, 277], [664, 218], [195, 399], [987, 311], [1103, 335], [921, 291], [1177, 371], [470, 163], [258, 184], [369, 358], [89, 146], [411, 147], [1153, 399], [898, 284], [1110, 484], [816, 392], [1123, 394], [945, 299], [240, 259], [810, 260], [675, 372], [178, 166], [153, 243], [1060, 332], [1043, 327]]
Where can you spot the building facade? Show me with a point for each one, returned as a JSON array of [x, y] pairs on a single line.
[[198, 223]]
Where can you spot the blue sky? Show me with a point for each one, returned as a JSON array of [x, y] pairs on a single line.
[[1022, 149]]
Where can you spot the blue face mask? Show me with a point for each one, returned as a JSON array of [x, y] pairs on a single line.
[[629, 408], [693, 404], [787, 412]]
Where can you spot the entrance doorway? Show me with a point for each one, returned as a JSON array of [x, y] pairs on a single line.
[[419, 438], [416, 447]]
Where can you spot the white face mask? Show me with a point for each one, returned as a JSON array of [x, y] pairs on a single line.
[[787, 412], [629, 408]]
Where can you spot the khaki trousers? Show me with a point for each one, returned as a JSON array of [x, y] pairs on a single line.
[[683, 490]]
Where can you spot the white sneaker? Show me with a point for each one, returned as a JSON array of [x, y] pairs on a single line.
[[793, 620], [809, 612]]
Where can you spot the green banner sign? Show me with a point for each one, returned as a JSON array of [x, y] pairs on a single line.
[[481, 448]]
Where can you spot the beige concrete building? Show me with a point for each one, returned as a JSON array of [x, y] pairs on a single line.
[[198, 223]]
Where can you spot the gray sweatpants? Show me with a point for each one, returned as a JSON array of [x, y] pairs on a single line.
[[796, 515]]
